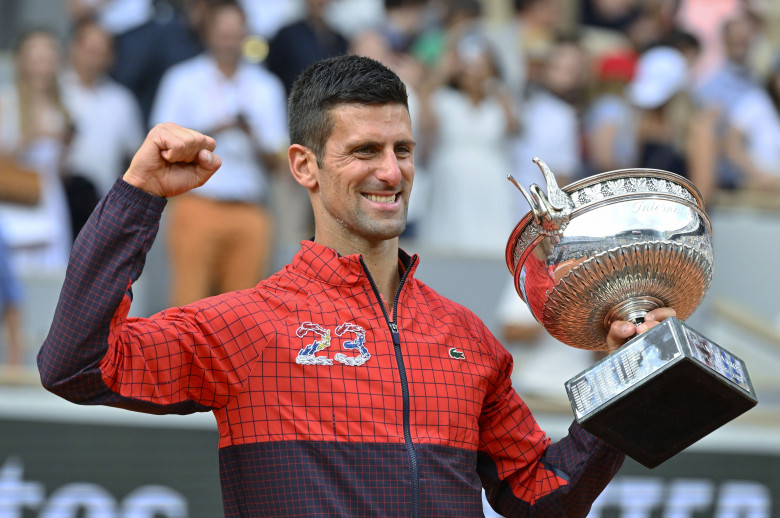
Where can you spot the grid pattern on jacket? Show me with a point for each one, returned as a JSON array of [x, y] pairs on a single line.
[[239, 355]]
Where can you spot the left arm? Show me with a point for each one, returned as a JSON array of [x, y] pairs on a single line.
[[523, 472]]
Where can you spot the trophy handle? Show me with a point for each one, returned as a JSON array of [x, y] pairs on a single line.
[[532, 198], [557, 198], [552, 211]]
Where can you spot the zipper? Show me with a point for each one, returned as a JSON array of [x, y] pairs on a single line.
[[399, 358]]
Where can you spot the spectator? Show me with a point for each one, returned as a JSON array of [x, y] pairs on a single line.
[[34, 129], [524, 43], [144, 53], [434, 41], [615, 15], [391, 41], [753, 139], [115, 16], [301, 43], [550, 121], [722, 90], [106, 117], [221, 233], [10, 312], [609, 125], [705, 19], [469, 119], [652, 25], [672, 134]]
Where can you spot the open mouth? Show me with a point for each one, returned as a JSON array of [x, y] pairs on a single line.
[[387, 198]]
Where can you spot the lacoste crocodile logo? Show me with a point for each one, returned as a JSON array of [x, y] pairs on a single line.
[[458, 355]]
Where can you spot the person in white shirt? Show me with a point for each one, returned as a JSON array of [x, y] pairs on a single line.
[[221, 233], [550, 120], [106, 117]]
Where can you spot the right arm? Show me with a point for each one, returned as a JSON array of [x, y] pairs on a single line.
[[94, 354]]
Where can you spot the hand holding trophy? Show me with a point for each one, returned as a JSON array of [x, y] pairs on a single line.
[[612, 247]]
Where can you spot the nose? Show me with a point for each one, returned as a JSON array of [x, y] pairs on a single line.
[[389, 170]]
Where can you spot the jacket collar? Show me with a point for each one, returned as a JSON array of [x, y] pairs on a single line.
[[326, 265]]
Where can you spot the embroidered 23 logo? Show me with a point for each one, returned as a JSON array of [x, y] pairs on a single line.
[[308, 354]]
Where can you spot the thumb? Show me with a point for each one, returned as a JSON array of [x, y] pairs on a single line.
[[208, 164]]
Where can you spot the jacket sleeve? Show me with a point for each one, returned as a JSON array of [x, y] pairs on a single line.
[[173, 362], [523, 472]]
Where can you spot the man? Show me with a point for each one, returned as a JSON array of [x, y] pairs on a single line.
[[342, 386], [717, 95], [221, 235], [106, 117]]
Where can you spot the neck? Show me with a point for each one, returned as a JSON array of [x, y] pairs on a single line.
[[227, 67], [384, 270], [85, 78], [381, 260]]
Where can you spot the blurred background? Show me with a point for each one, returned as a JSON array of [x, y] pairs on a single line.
[[689, 86]]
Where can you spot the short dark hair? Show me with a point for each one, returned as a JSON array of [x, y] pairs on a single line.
[[345, 79]]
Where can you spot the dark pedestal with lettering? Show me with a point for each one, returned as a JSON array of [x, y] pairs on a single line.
[[661, 392]]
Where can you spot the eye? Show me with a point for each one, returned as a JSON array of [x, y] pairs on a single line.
[[403, 151], [365, 151]]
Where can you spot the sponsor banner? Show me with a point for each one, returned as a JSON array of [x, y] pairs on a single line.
[[695, 484], [72, 469], [58, 469]]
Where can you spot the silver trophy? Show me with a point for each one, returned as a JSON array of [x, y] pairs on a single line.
[[612, 247]]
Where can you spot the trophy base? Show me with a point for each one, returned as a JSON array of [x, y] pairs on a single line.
[[661, 392]]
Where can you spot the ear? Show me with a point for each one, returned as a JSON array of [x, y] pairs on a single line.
[[303, 165]]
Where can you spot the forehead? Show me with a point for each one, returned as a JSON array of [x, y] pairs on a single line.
[[377, 122]]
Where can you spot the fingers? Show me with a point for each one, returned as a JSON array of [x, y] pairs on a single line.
[[208, 161], [620, 331], [659, 314], [173, 160], [179, 144]]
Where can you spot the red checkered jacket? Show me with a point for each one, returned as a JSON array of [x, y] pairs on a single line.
[[327, 403]]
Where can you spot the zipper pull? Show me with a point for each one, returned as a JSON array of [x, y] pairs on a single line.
[[394, 333]]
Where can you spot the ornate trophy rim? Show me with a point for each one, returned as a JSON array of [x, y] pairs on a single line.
[[696, 202]]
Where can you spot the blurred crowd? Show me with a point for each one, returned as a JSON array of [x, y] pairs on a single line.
[[689, 86]]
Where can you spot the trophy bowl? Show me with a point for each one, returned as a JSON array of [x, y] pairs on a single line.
[[610, 247]]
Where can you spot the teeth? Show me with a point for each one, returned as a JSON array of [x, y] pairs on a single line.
[[381, 199]]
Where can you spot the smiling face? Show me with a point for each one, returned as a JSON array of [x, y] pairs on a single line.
[[360, 194]]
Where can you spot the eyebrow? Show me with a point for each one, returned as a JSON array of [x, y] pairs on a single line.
[[377, 143]]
